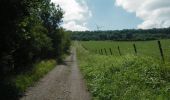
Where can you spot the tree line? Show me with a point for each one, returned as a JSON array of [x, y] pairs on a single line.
[[29, 32], [123, 35]]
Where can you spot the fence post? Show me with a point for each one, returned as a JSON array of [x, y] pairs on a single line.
[[105, 51], [119, 51], [84, 47], [161, 51], [111, 51], [102, 51], [135, 49]]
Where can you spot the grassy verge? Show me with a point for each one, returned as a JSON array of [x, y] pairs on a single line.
[[13, 88], [124, 78], [22, 82]]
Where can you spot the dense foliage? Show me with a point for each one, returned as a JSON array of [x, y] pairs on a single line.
[[126, 77], [30, 32], [118, 35]]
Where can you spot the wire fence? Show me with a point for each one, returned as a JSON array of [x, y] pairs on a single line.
[[157, 50]]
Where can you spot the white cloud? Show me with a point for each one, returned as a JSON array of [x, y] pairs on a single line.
[[72, 25], [154, 13], [76, 11]]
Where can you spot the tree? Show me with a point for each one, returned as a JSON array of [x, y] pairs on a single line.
[[30, 31]]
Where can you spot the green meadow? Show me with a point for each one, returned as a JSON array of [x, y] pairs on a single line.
[[127, 77], [147, 48]]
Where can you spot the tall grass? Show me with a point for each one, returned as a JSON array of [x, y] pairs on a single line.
[[127, 77], [13, 88], [23, 81]]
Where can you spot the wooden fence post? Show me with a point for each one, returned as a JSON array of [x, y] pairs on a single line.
[[84, 47], [111, 51], [134, 46], [96, 51], [119, 51], [105, 51], [161, 51], [102, 51]]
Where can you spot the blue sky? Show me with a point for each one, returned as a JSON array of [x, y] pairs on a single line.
[[109, 16], [81, 15]]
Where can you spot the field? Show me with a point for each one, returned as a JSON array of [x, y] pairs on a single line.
[[126, 77], [147, 48]]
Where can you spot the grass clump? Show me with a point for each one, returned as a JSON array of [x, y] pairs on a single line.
[[124, 78], [23, 81]]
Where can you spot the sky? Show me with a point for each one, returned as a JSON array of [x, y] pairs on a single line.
[[81, 15]]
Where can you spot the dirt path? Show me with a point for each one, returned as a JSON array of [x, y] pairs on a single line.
[[64, 82]]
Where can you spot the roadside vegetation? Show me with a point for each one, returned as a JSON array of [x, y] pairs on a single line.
[[126, 77], [15, 86], [25, 80], [32, 42]]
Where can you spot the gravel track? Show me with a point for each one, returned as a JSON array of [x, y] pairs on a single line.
[[64, 82]]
